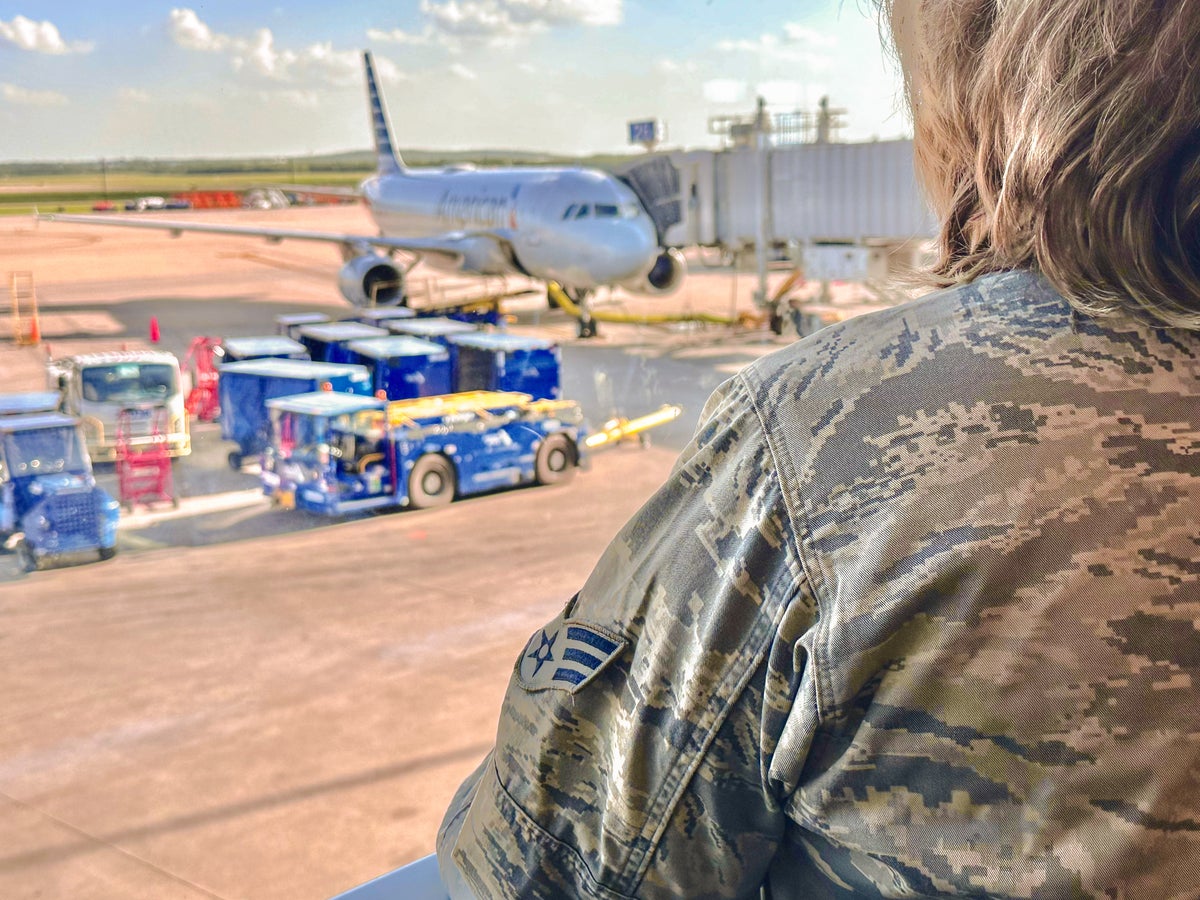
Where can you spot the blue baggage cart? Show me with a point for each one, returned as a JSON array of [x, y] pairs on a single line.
[[380, 316], [270, 346], [437, 329], [245, 387], [326, 342], [289, 324], [432, 328], [508, 362], [405, 366]]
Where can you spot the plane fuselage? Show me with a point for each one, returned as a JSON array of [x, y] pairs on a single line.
[[579, 227]]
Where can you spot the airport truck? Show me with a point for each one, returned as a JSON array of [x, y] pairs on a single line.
[[141, 387], [50, 505], [333, 454]]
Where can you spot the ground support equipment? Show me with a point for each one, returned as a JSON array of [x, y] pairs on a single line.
[[144, 472]]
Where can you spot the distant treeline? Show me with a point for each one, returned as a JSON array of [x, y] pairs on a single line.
[[356, 163]]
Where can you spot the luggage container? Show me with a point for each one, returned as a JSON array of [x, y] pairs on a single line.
[[432, 328], [508, 362], [335, 454], [404, 366], [289, 324], [381, 316], [50, 505], [327, 341], [268, 346], [245, 388], [437, 329]]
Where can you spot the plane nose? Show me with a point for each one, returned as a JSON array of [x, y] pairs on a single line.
[[633, 252]]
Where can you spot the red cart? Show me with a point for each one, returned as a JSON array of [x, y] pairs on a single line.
[[202, 401], [144, 473]]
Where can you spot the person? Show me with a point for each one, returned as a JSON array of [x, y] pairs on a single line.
[[916, 613]]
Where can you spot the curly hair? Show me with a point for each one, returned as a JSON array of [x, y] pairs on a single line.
[[1064, 136]]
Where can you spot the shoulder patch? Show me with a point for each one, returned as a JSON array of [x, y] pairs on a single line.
[[566, 655]]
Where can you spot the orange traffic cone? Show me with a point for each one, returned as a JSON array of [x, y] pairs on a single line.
[[35, 333], [154, 329]]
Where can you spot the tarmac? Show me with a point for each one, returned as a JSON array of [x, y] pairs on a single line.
[[249, 702]]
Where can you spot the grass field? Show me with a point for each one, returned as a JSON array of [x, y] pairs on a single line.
[[76, 192]]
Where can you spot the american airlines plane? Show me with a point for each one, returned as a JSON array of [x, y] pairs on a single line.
[[582, 228]]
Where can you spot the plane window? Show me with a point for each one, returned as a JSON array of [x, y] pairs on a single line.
[[606, 211], [570, 213], [585, 209]]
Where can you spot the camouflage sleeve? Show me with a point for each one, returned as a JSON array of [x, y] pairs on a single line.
[[634, 749]]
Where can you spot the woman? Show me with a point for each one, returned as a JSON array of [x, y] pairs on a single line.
[[914, 615]]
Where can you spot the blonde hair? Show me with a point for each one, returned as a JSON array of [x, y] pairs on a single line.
[[1064, 136]]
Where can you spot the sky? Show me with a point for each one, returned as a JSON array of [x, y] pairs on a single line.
[[87, 80]]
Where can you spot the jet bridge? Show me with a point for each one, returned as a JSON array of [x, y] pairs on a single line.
[[853, 197]]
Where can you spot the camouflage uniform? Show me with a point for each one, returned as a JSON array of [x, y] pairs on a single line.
[[915, 615]]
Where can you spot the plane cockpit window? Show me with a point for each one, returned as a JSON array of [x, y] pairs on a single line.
[[585, 210], [570, 213], [607, 211]]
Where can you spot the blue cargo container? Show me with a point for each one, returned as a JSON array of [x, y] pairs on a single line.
[[437, 329], [327, 342], [270, 346], [405, 366], [432, 328], [245, 388], [289, 324], [381, 316], [508, 362]]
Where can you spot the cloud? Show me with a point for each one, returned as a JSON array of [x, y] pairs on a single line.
[[16, 94], [725, 90], [781, 94], [510, 18], [798, 45], [399, 36], [259, 54], [795, 33], [188, 31], [39, 37], [133, 95], [462, 72]]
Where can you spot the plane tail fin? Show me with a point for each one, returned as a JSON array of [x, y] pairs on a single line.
[[389, 160]]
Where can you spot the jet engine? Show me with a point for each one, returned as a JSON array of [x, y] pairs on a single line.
[[664, 277], [372, 280]]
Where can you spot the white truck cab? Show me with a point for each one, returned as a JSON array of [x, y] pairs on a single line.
[[139, 390]]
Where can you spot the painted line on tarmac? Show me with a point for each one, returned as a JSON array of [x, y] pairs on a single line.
[[195, 506]]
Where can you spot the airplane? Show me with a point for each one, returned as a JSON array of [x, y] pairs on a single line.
[[579, 227]]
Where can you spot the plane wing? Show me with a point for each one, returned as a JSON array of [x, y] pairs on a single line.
[[443, 249]]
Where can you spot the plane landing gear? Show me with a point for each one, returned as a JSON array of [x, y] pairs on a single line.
[[575, 302], [587, 324]]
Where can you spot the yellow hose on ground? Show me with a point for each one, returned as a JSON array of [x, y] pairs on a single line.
[[619, 429]]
